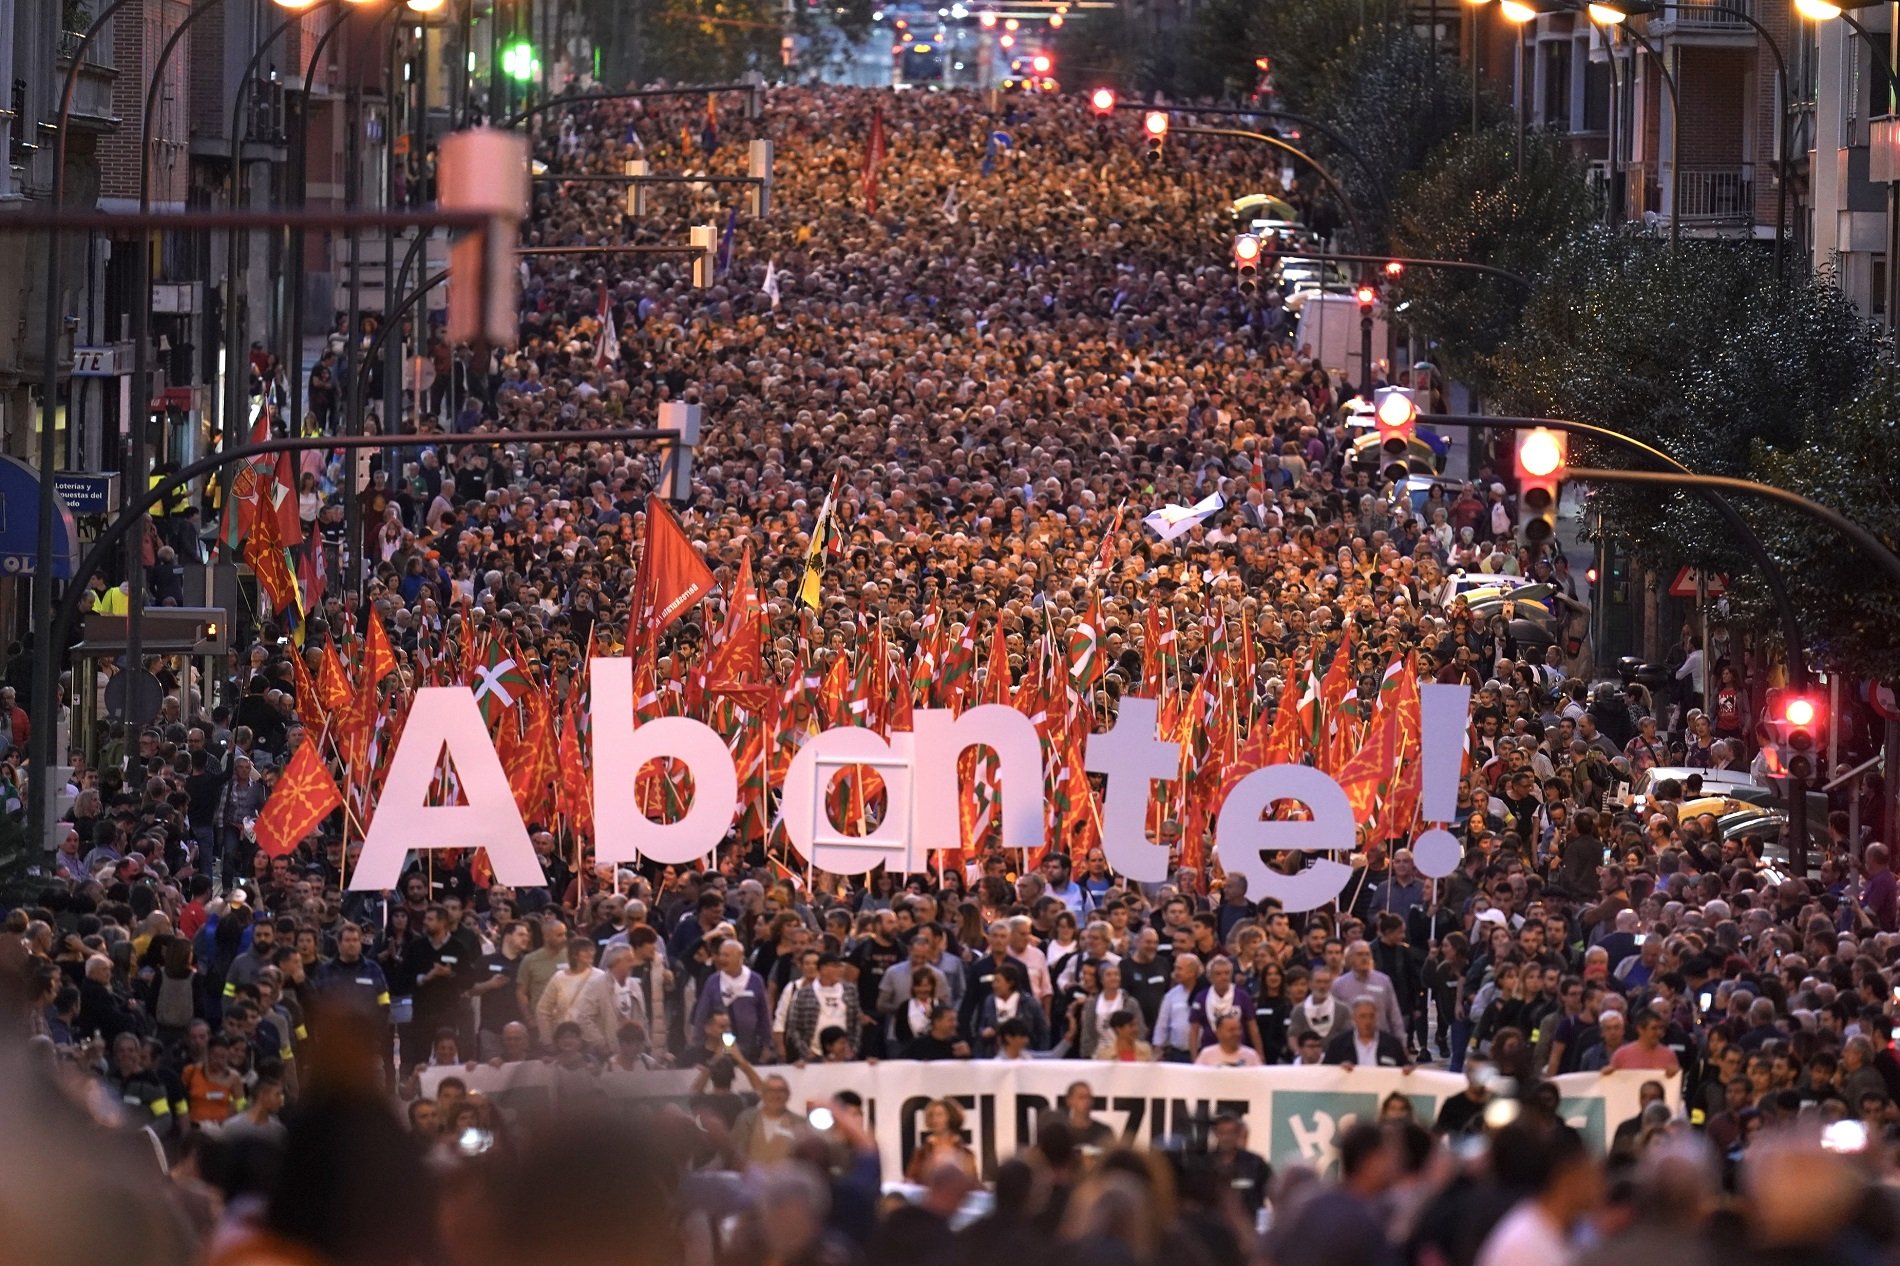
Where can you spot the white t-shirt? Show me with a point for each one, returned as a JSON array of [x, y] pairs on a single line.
[[1366, 1053], [831, 1014], [1215, 1057], [1526, 1237]]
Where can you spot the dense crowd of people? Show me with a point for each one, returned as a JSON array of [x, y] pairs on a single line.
[[1027, 345]]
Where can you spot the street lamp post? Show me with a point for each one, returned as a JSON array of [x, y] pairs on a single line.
[[45, 696], [1818, 11], [1745, 536], [1608, 13], [49, 635], [1332, 182], [140, 439]]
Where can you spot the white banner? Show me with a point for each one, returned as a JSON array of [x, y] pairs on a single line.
[[1293, 1113]]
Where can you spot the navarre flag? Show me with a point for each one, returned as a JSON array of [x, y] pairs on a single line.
[[379, 657], [304, 796], [873, 159], [673, 577], [736, 663]]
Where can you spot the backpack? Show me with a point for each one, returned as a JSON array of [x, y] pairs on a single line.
[[176, 1007]]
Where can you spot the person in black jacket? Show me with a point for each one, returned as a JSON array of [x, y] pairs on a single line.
[[1391, 955], [438, 972], [1364, 1042]]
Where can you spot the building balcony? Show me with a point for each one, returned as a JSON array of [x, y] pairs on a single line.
[[92, 89], [1718, 195], [1712, 22]]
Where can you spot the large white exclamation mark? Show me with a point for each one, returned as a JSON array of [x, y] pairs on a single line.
[[1444, 717]]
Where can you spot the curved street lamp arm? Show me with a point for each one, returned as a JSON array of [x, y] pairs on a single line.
[[1745, 536], [1332, 181]]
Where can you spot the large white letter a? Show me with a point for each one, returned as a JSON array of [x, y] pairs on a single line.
[[446, 717]]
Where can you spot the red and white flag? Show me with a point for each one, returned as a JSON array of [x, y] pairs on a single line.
[[607, 346]]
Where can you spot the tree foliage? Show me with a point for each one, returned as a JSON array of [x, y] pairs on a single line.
[[1472, 203]]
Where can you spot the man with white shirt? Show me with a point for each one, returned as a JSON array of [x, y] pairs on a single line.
[[1228, 1051], [806, 976], [1319, 1013], [1364, 1043], [582, 995], [1537, 1232], [826, 1003], [1174, 1022], [1023, 948]]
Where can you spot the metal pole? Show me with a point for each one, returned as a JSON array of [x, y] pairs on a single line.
[[1332, 182], [1798, 823], [1675, 121], [1859, 535], [42, 735], [1365, 353], [1745, 536], [299, 196], [139, 457]]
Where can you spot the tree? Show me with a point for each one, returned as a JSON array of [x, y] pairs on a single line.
[[1471, 202], [1848, 607], [1698, 351], [1397, 103]]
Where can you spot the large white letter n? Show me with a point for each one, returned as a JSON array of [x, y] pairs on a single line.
[[1132, 757], [446, 718]]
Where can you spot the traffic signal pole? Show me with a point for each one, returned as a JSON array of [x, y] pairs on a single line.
[[1745, 536]]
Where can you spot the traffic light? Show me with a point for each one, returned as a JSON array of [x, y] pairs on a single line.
[[1040, 63], [1541, 456], [1247, 261], [1397, 416], [518, 61], [1800, 716], [1394, 269], [1366, 295], [1154, 131], [1102, 101]]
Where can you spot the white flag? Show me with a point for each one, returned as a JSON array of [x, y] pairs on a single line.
[[950, 211], [1171, 521], [771, 283]]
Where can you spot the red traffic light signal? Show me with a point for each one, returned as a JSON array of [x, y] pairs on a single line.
[[1102, 100], [1154, 130], [1394, 269], [1541, 457], [1396, 414], [1247, 252], [1366, 295]]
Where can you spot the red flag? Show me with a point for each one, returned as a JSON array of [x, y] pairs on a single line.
[[379, 657], [333, 682], [736, 664], [673, 578], [304, 796], [873, 159], [310, 709]]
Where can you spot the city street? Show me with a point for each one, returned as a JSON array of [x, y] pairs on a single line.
[[892, 647]]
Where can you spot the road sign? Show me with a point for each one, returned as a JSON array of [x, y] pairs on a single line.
[[86, 493], [1684, 585]]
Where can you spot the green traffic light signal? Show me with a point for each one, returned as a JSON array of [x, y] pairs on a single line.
[[518, 61]]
